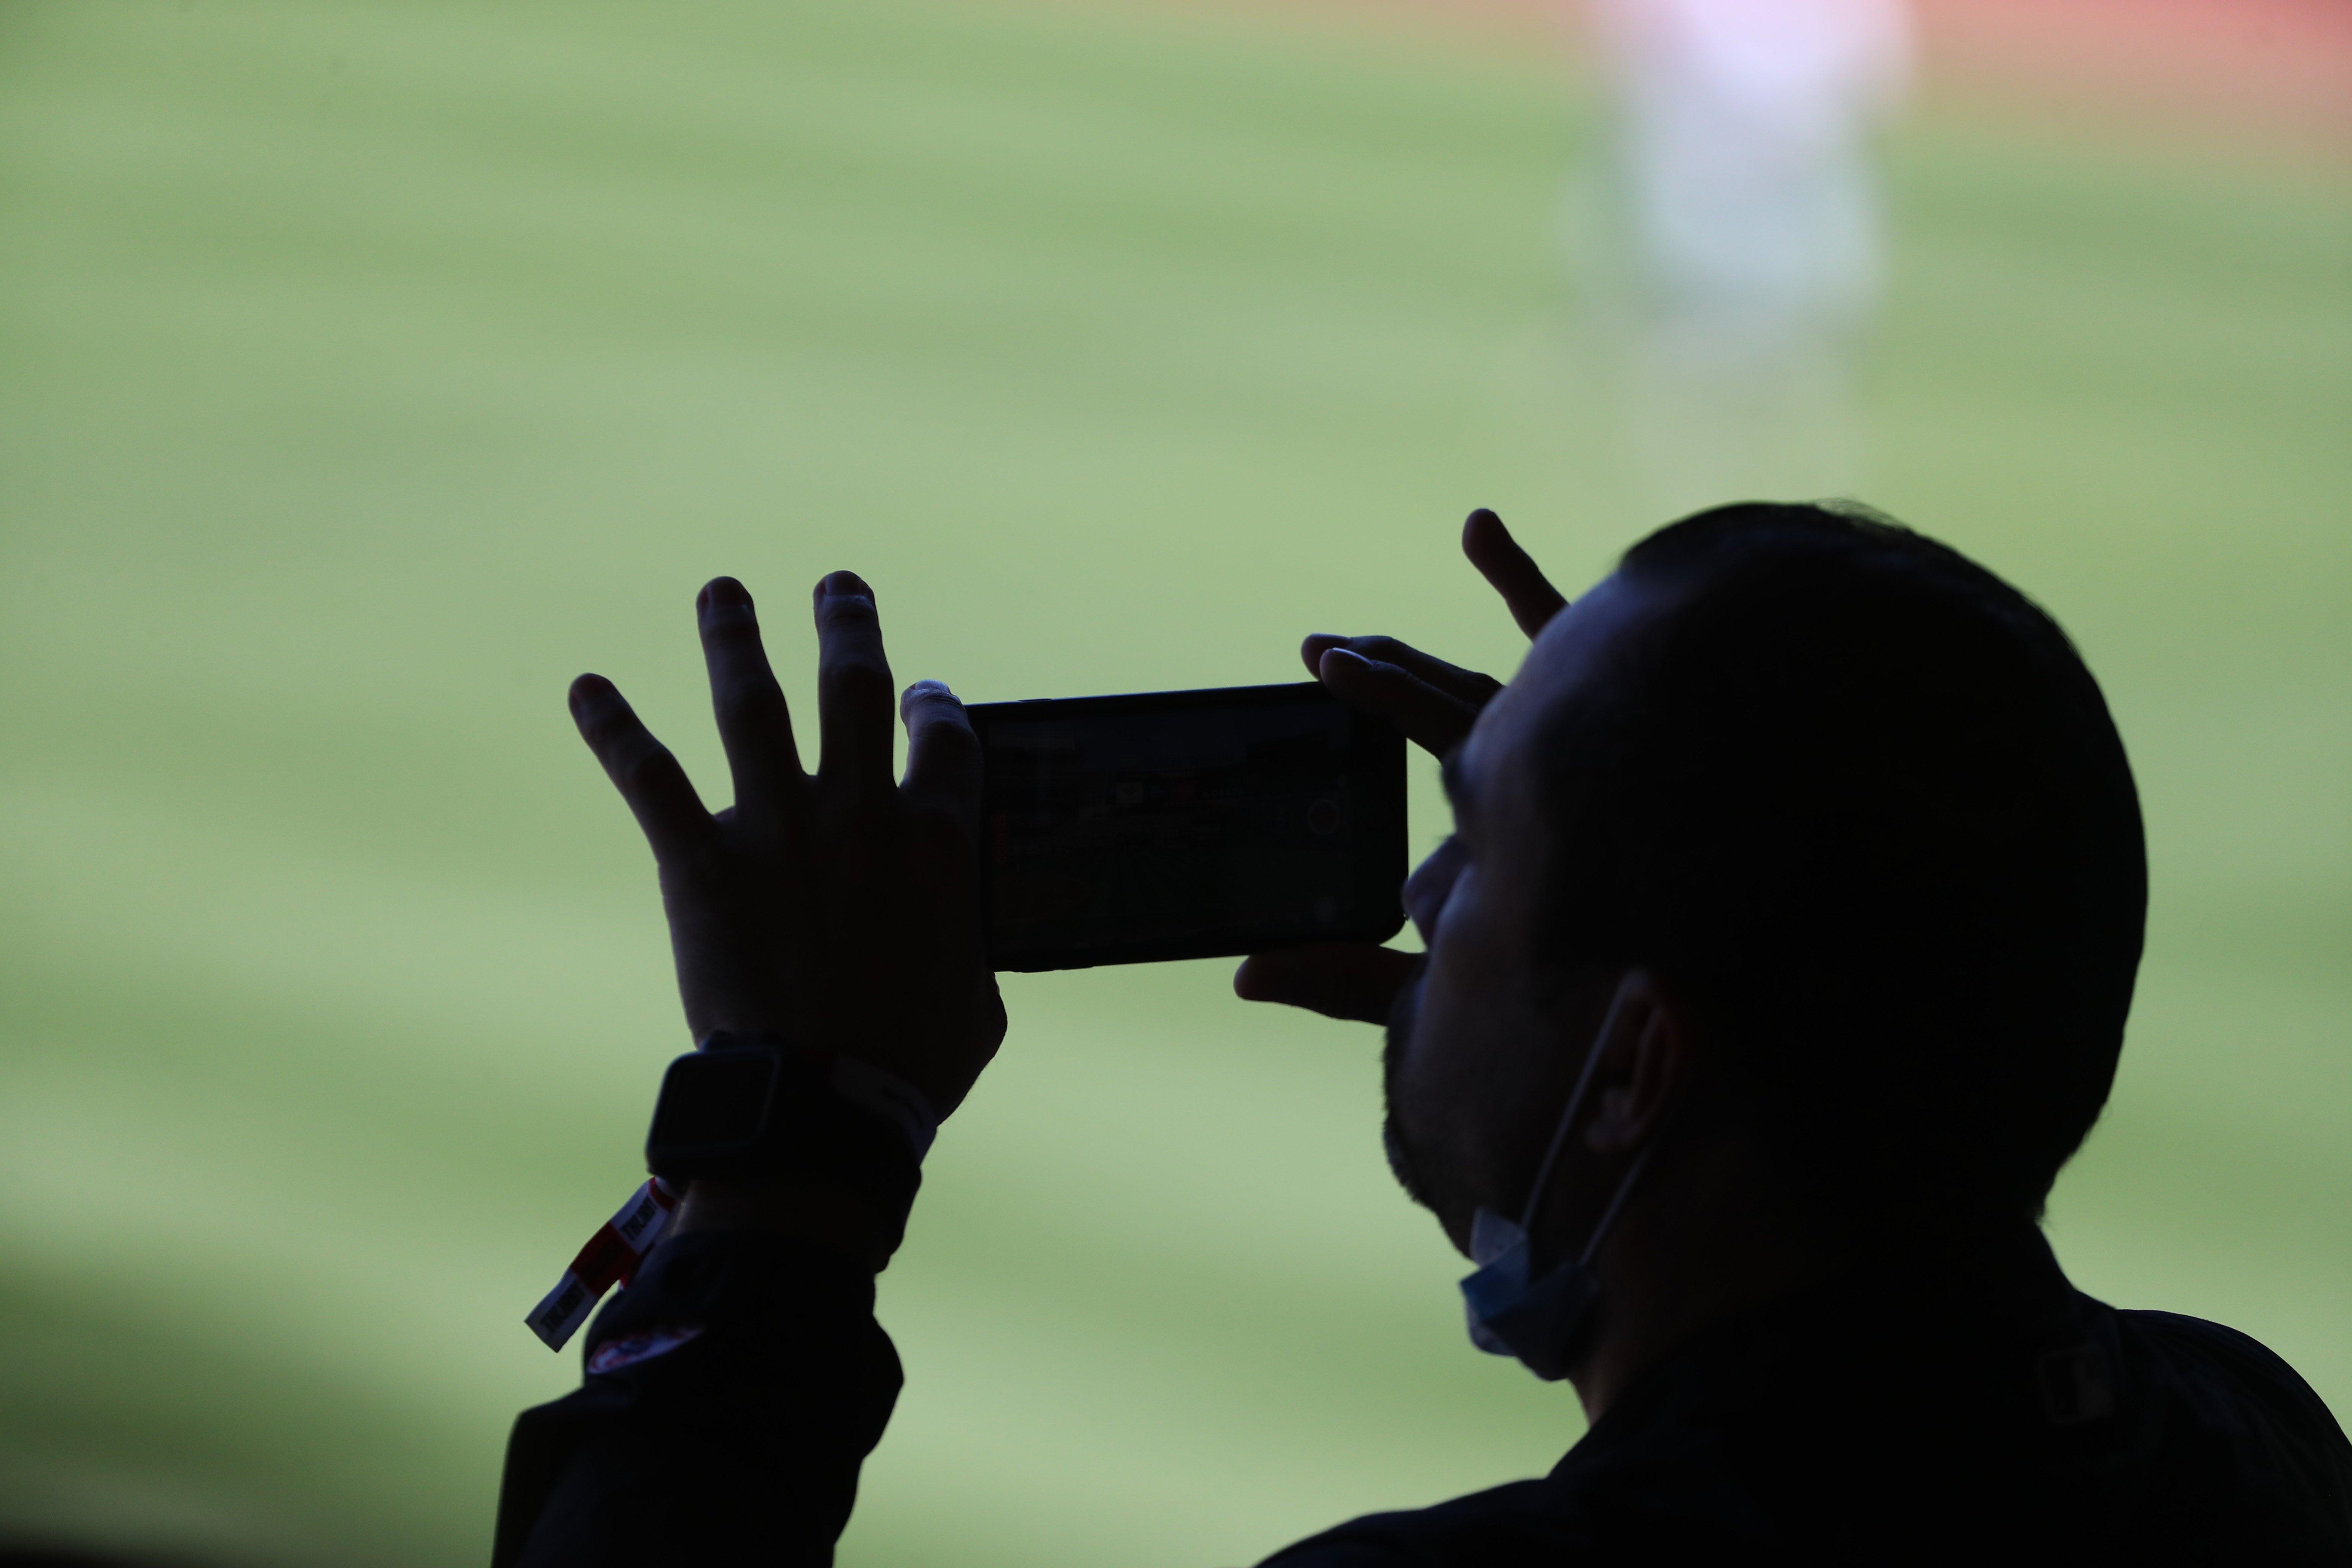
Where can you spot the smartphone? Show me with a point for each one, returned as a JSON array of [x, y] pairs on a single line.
[[1187, 825]]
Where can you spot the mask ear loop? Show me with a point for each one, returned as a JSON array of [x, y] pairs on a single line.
[[1624, 1190], [1567, 1117]]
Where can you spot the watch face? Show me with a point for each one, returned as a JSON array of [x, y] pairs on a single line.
[[711, 1104]]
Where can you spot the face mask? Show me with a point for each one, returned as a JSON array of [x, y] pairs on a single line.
[[1535, 1320]]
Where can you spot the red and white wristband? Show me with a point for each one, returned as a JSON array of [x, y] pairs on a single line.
[[610, 1258]]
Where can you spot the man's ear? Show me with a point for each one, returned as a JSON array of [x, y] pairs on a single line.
[[1648, 1060]]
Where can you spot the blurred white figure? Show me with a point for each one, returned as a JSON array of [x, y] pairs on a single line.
[[1746, 209]]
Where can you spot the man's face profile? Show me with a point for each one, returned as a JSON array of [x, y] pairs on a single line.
[[1484, 1043]]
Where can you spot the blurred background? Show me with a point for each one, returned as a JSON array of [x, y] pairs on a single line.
[[371, 369]]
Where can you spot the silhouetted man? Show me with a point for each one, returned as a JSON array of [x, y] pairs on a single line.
[[1779, 959]]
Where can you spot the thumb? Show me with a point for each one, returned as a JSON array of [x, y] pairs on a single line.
[[1353, 981]]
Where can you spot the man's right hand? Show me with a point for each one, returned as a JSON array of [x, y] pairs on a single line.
[[1434, 703]]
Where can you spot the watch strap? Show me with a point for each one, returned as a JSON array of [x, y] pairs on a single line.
[[756, 1107]]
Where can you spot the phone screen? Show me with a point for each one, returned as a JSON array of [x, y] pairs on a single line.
[[1187, 825]]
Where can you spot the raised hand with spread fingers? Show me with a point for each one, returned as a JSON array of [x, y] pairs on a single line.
[[840, 908]]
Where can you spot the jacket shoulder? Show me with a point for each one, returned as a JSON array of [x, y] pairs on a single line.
[[2242, 1435], [1481, 1522], [2228, 1376]]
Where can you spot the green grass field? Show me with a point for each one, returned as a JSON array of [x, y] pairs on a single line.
[[369, 370]]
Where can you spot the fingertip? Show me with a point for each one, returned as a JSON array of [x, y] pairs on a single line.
[[925, 692], [842, 586], [1251, 982], [1341, 659], [595, 704], [724, 605]]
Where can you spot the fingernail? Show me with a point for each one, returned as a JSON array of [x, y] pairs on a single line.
[[725, 601], [590, 692], [1348, 656], [843, 584]]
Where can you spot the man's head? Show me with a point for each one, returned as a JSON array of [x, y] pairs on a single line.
[[1853, 806]]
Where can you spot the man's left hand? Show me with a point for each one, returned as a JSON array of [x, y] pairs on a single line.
[[839, 909]]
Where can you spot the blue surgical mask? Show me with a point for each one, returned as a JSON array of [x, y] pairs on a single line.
[[1535, 1320]]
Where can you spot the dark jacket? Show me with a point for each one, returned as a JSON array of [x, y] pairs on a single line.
[[1967, 1407]]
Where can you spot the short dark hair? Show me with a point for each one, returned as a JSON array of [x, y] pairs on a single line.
[[1861, 804]]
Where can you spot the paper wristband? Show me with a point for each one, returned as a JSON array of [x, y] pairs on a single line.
[[610, 1258]]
